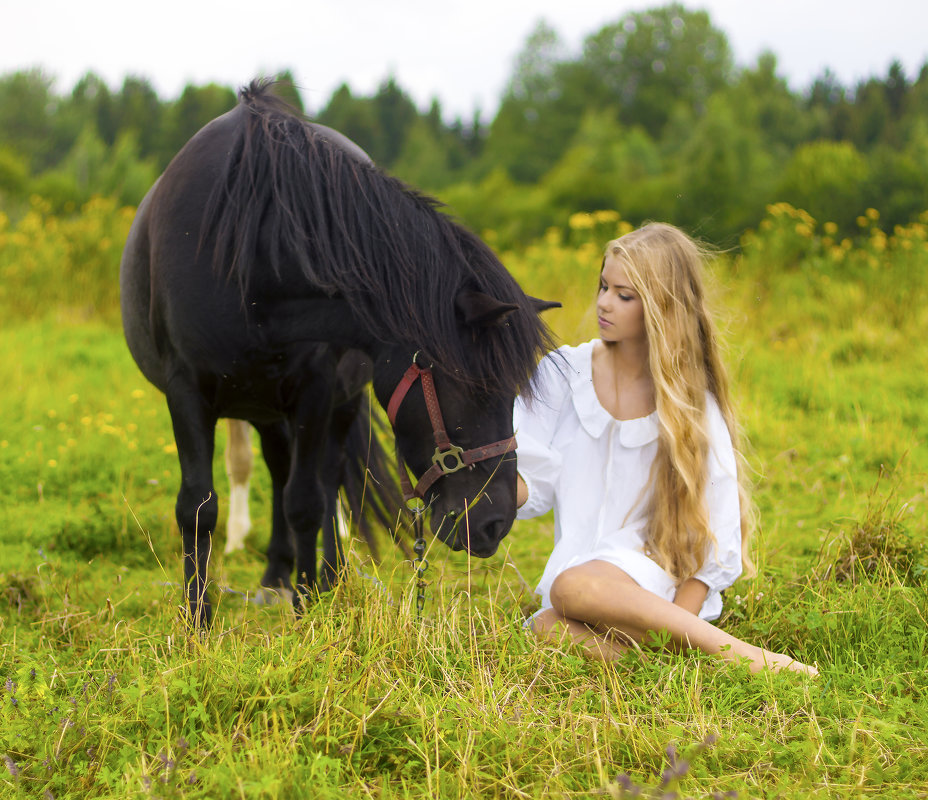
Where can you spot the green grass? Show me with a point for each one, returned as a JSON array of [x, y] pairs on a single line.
[[104, 694]]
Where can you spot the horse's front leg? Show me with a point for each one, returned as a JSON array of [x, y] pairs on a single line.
[[333, 554], [275, 447], [333, 476], [304, 494], [197, 507]]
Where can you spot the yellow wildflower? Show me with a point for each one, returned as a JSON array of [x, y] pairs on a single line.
[[580, 221]]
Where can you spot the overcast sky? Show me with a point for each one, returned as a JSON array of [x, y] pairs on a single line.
[[460, 52]]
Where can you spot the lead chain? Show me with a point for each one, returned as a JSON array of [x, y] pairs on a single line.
[[422, 565]]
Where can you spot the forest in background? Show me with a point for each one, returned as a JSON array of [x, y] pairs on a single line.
[[652, 119]]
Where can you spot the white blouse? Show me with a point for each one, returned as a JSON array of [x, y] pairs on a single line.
[[593, 470]]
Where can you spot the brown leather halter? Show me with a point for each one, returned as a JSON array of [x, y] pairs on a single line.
[[448, 457]]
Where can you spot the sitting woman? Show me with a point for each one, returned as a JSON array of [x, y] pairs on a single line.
[[632, 440]]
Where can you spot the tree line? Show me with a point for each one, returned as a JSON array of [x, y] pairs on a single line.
[[652, 119]]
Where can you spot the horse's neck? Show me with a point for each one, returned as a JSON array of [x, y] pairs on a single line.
[[320, 319]]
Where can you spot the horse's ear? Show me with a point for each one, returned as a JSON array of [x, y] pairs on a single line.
[[543, 305], [481, 310]]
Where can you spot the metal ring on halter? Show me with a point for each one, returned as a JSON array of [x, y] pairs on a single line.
[[415, 356]]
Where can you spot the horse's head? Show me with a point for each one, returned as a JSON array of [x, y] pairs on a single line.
[[456, 439]]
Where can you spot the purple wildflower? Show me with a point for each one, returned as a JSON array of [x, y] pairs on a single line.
[[11, 766]]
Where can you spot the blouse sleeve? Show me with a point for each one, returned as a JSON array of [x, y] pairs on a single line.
[[535, 424], [723, 562]]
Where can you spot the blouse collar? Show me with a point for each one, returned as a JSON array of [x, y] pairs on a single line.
[[593, 417]]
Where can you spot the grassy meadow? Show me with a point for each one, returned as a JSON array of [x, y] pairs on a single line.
[[105, 695]]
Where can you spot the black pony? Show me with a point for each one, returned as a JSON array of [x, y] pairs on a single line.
[[269, 249]]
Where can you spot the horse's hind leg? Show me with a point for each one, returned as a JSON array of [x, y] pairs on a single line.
[[239, 461], [197, 507]]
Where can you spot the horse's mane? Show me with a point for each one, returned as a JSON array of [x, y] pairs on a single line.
[[356, 232]]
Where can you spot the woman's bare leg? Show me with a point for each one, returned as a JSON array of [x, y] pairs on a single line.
[[554, 627], [604, 597]]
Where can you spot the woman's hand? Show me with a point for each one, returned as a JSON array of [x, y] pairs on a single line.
[[521, 491], [691, 594]]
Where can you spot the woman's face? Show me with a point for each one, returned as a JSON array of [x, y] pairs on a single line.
[[618, 306]]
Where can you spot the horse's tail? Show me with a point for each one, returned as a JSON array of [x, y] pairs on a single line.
[[369, 485]]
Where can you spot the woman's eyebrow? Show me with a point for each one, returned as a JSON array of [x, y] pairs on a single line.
[[618, 286]]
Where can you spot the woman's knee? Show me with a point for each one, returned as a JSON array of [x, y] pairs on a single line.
[[571, 588], [577, 588]]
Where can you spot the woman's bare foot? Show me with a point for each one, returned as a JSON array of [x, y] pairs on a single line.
[[765, 659], [781, 662], [759, 659]]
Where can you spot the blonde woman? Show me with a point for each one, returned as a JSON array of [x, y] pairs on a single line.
[[632, 440]]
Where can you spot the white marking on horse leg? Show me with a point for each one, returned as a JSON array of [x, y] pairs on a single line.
[[342, 528], [239, 460], [239, 522]]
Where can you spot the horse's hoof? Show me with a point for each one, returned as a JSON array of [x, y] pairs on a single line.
[[266, 596]]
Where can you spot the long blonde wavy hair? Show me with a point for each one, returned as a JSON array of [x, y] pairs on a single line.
[[665, 267]]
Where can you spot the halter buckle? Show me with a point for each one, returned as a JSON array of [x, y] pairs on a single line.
[[455, 453]]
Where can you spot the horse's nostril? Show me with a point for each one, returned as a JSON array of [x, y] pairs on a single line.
[[497, 530]]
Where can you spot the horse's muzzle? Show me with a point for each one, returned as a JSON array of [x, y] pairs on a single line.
[[481, 539]]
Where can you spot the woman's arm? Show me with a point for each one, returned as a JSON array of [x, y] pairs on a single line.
[[535, 423], [691, 594], [722, 564]]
